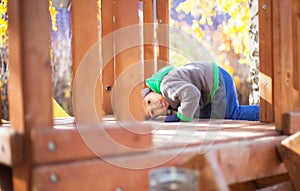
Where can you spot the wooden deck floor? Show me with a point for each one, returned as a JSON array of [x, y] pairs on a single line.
[[242, 150]]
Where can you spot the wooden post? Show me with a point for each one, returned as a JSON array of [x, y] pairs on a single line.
[[297, 49], [266, 61], [29, 81], [148, 18], [108, 68], [291, 123], [162, 16], [85, 35], [211, 177], [283, 59], [129, 81]]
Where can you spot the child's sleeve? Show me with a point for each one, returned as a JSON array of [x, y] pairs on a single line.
[[187, 95]]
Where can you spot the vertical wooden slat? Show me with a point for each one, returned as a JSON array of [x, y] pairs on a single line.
[[148, 19], [84, 36], [107, 26], [296, 53], [29, 87], [295, 56], [127, 90], [266, 60], [162, 15], [283, 59], [29, 79]]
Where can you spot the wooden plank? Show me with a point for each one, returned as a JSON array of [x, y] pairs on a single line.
[[178, 134], [296, 49], [129, 80], [30, 91], [107, 29], [291, 122], [211, 177], [266, 182], [162, 16], [283, 59], [5, 178], [256, 159], [85, 36], [286, 186], [89, 175], [148, 19], [239, 161], [11, 147], [50, 145], [290, 153], [266, 60], [296, 52]]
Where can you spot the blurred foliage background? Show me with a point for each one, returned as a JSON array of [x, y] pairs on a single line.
[[225, 28]]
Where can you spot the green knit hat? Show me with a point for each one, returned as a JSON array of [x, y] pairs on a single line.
[[154, 82]]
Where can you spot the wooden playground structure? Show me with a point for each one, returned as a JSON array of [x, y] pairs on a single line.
[[41, 154]]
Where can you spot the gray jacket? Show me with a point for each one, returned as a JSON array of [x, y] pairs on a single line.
[[192, 85]]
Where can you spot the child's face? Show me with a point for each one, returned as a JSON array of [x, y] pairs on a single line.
[[154, 104]]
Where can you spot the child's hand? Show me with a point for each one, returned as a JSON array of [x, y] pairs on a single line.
[[172, 118]]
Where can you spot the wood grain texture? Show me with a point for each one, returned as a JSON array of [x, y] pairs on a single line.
[[107, 42], [50, 145], [85, 55], [290, 153], [162, 16], [30, 86], [266, 60], [238, 162]]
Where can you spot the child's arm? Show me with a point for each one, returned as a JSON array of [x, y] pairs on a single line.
[[188, 96]]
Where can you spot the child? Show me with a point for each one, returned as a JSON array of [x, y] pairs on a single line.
[[194, 85]]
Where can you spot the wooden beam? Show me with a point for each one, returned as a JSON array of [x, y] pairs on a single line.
[[148, 19], [239, 161], [11, 147], [266, 182], [30, 83], [266, 63], [290, 122], [162, 16], [286, 186], [290, 153], [30, 86], [85, 36], [50, 145], [108, 73], [283, 59], [211, 176], [129, 80], [89, 175], [296, 51]]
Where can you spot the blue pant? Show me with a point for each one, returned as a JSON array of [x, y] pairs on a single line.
[[233, 109]]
